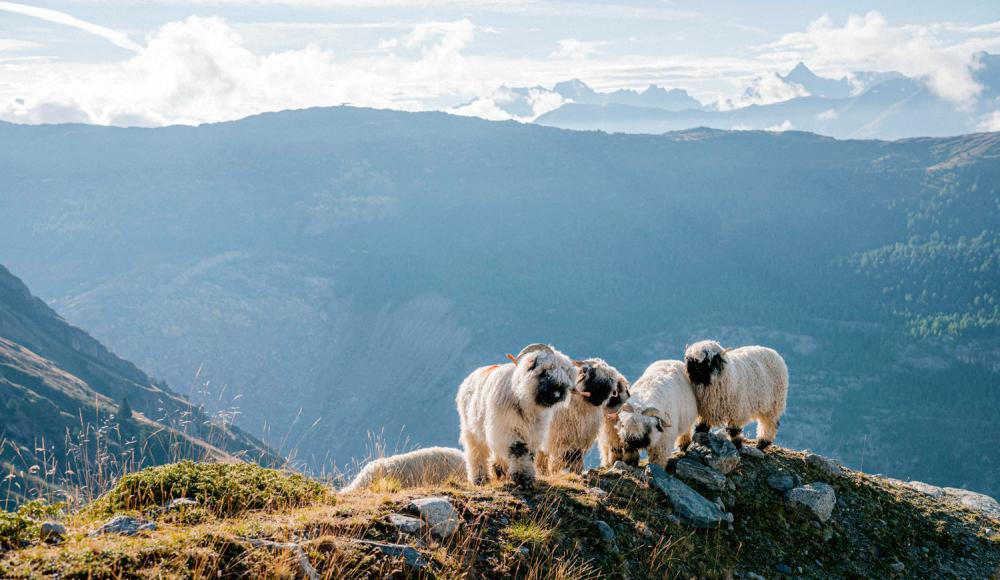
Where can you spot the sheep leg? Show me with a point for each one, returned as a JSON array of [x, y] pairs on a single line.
[[544, 463], [631, 457], [573, 461], [683, 441], [659, 456], [702, 426], [735, 435], [767, 428], [522, 464], [476, 462]]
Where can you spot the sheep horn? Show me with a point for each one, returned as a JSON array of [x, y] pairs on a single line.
[[534, 347]]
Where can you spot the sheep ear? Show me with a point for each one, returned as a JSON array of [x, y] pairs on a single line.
[[628, 408], [656, 414]]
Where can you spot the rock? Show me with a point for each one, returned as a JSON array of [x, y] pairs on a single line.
[[819, 498], [622, 467], [409, 554], [124, 525], [715, 451], [781, 481], [783, 568], [969, 499], [692, 508], [596, 491], [897, 567], [606, 532], [305, 566], [824, 464], [405, 524], [749, 451], [719, 504], [52, 532], [439, 514], [179, 503], [752, 576], [693, 472]]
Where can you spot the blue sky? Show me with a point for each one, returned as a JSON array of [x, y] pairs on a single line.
[[159, 62]]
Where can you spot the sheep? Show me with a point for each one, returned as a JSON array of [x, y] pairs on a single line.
[[658, 415], [421, 467], [609, 443], [737, 386], [574, 428], [505, 412]]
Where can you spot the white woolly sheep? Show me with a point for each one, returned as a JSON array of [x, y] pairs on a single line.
[[574, 428], [737, 386], [658, 415], [506, 410], [429, 466]]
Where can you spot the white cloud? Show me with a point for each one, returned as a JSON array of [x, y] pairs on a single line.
[[15, 45], [827, 115], [785, 125], [868, 42], [764, 90], [115, 37], [572, 48], [990, 122], [504, 104]]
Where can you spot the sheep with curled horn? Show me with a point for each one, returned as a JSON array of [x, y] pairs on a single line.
[[575, 427], [506, 410], [419, 468], [737, 386], [658, 415]]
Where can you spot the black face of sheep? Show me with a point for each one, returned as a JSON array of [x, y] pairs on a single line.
[[618, 397], [599, 387], [550, 391], [700, 371], [637, 443]]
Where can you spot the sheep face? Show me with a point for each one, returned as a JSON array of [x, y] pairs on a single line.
[[618, 396], [547, 376], [641, 428], [599, 383], [704, 360]]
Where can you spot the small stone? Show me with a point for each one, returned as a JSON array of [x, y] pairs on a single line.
[[621, 467], [819, 498], [409, 554], [718, 502], [925, 549], [179, 503], [815, 524], [124, 525], [596, 491], [783, 568], [671, 518], [405, 524], [52, 532], [824, 464], [827, 535], [693, 472], [606, 532], [781, 481], [897, 567], [525, 552], [439, 514], [750, 451], [715, 451], [752, 576]]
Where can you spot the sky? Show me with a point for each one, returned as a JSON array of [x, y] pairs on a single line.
[[160, 62]]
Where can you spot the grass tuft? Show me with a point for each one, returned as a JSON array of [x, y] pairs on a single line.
[[223, 489]]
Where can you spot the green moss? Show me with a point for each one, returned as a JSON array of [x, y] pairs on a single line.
[[224, 489]]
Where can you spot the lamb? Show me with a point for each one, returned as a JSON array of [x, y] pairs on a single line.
[[429, 466], [505, 412], [658, 415], [574, 428], [736, 386]]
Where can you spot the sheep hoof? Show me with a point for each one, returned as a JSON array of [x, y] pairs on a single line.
[[763, 444], [702, 428], [737, 442], [523, 480]]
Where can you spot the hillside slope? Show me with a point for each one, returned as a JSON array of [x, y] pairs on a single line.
[[61, 425], [335, 272], [610, 523]]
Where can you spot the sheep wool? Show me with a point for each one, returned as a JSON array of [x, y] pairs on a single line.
[[506, 410], [737, 386], [422, 467]]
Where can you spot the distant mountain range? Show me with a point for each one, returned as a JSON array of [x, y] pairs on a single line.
[[882, 105], [337, 272], [62, 393]]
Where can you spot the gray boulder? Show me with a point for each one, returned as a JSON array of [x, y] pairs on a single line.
[[179, 503], [606, 532], [751, 451], [824, 464], [969, 499], [124, 525], [818, 498], [692, 508], [409, 554], [405, 524], [52, 532], [440, 515], [781, 481], [691, 471], [715, 451]]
